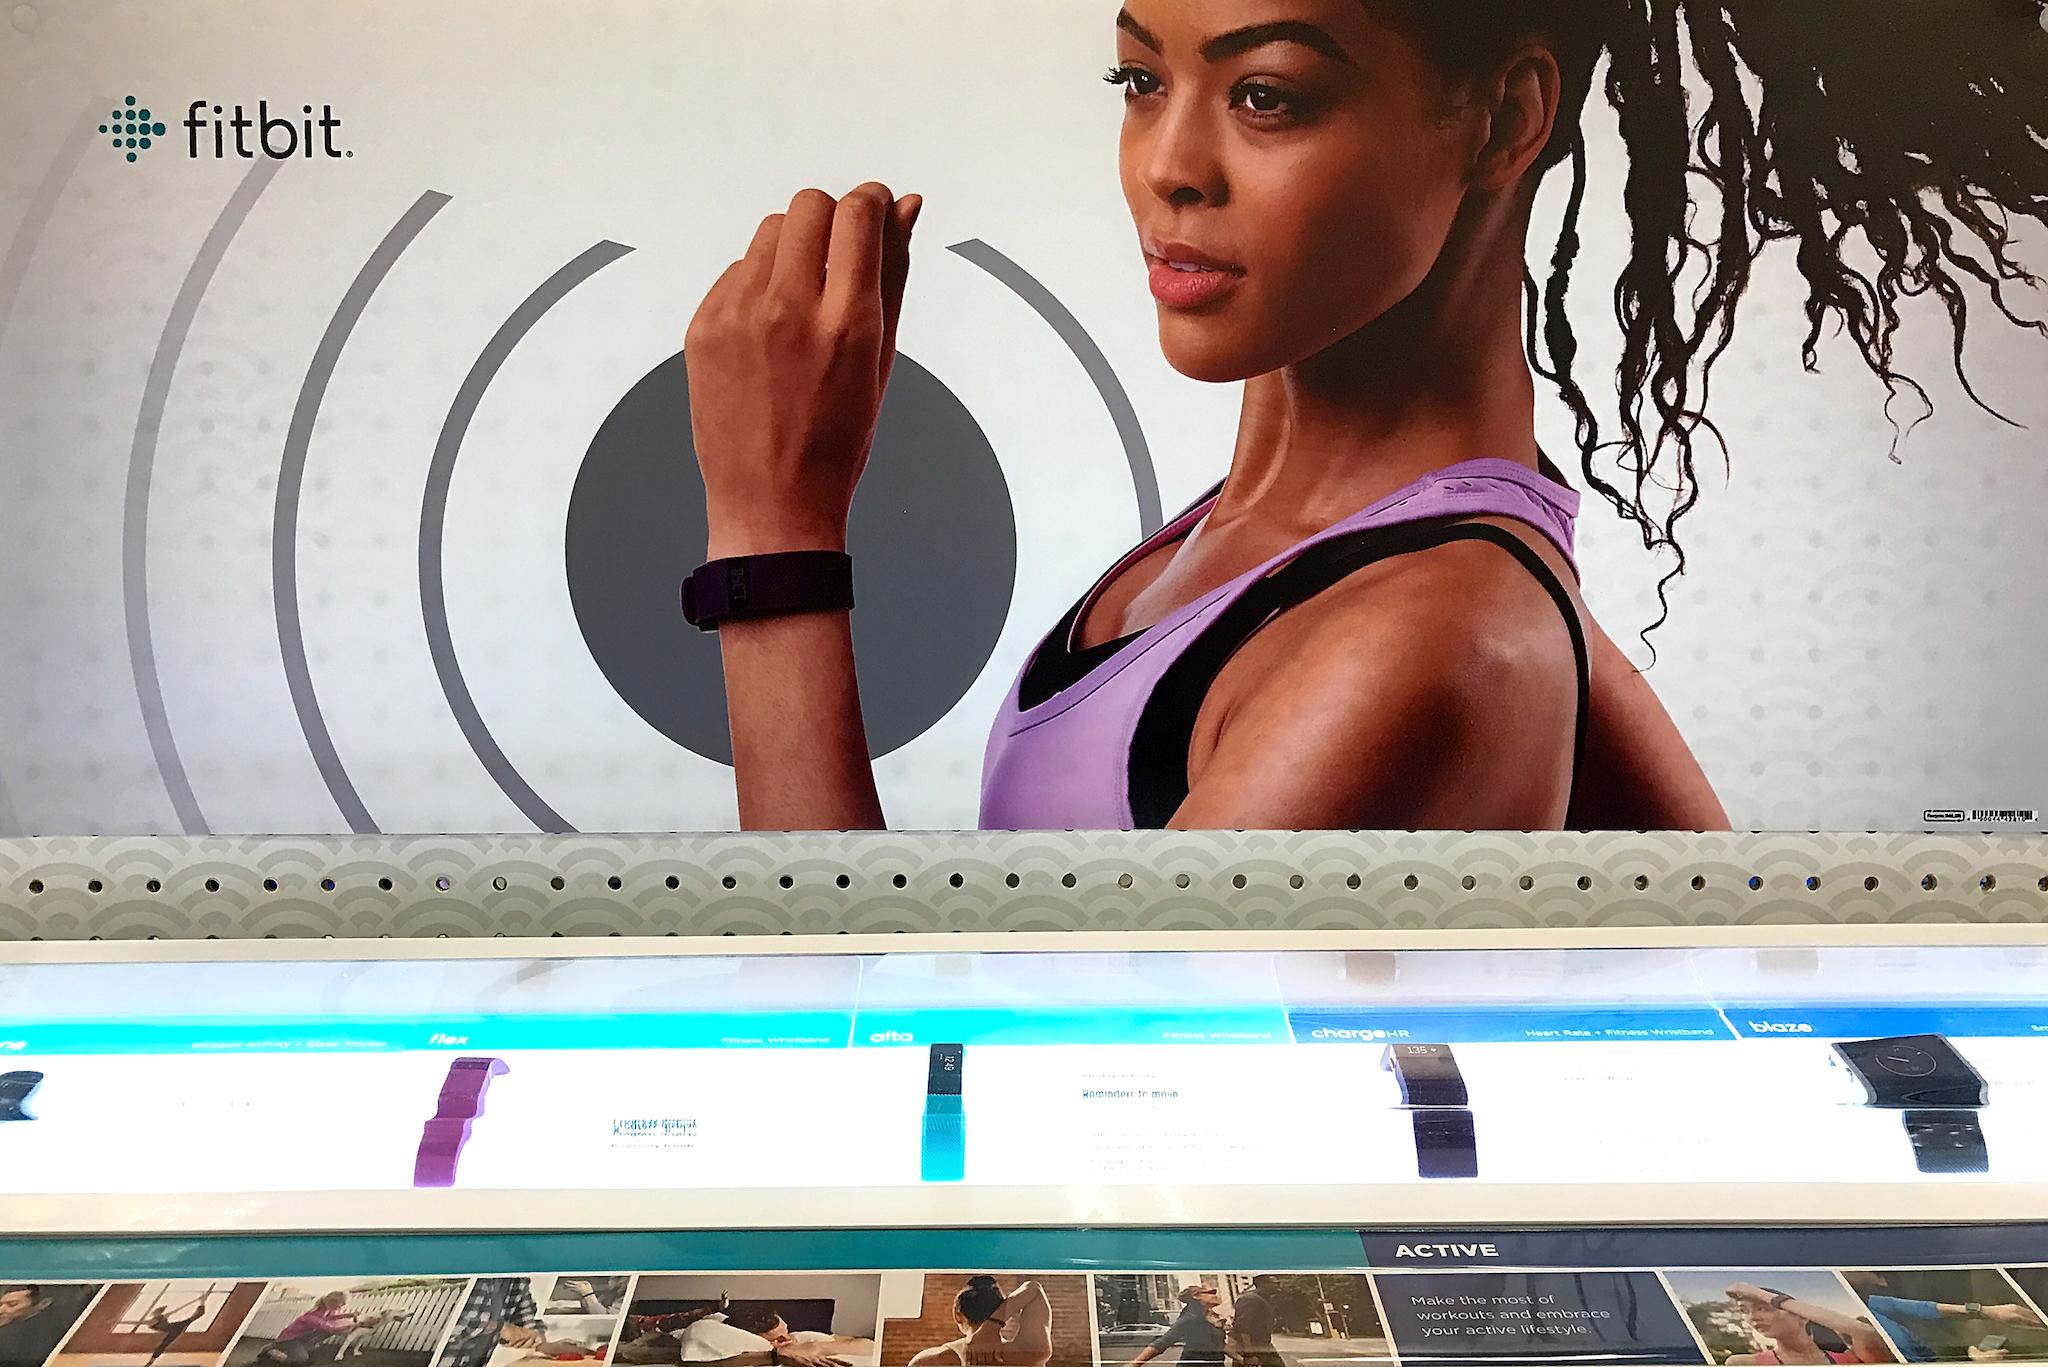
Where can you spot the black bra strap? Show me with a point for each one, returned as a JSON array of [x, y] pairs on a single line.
[[1166, 728]]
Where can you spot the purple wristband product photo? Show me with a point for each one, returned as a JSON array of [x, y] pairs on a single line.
[[461, 1102]]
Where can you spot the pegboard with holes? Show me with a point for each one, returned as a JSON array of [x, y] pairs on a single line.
[[634, 885]]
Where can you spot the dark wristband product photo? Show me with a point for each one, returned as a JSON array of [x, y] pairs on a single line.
[[1947, 1141], [15, 1090], [943, 1156], [781, 584], [1434, 1092]]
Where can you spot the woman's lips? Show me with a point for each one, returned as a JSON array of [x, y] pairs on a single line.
[[1183, 278]]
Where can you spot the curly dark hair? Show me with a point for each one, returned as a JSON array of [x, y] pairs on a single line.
[[1907, 134]]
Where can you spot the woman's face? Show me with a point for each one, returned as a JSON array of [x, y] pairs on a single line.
[[334, 1300], [1305, 155], [1773, 1323]]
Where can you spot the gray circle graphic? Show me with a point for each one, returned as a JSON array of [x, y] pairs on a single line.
[[933, 538]]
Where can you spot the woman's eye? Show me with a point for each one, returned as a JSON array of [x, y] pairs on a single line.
[[1134, 79], [1265, 101]]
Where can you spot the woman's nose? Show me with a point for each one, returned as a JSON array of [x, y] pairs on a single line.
[[1181, 166]]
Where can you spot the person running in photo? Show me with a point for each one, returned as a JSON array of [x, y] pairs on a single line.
[[1251, 1327], [1198, 1331], [326, 1317], [173, 1329], [996, 1330], [1375, 620], [498, 1310], [1899, 1316], [1788, 1325]]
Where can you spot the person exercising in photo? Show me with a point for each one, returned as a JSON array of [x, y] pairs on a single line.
[[1375, 619], [1788, 1325], [996, 1330], [173, 1329]]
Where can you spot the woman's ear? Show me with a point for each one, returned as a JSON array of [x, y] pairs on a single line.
[[1521, 106]]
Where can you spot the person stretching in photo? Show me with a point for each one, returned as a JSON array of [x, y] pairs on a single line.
[[172, 1330], [1196, 1331], [1374, 621], [1787, 1323], [322, 1321], [996, 1330]]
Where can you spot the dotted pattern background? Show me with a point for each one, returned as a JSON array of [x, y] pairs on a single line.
[[1858, 640], [817, 885]]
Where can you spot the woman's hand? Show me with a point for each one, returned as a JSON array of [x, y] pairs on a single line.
[[788, 357]]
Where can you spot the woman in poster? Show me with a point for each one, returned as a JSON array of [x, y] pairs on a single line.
[[1793, 1328], [996, 1330], [1374, 621]]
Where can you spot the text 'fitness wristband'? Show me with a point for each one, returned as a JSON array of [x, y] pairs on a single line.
[[781, 584]]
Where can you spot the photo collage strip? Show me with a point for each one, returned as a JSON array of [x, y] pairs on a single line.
[[1722, 1317]]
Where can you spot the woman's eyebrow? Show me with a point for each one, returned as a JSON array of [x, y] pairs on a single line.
[[1242, 40], [1137, 30]]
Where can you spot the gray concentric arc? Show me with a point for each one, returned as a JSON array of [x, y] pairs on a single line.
[[1144, 479], [135, 511], [433, 520], [291, 478], [14, 269]]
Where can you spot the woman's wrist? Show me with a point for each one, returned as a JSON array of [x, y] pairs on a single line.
[[762, 527]]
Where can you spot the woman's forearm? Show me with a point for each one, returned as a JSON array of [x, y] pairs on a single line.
[[799, 744]]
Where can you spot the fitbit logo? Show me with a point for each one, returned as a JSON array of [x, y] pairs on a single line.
[[1780, 1028], [222, 131], [279, 137]]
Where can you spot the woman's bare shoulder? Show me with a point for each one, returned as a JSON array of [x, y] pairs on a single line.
[[1436, 687]]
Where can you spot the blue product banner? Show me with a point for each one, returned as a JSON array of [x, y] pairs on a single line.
[[277, 1035], [1508, 1023], [1084, 1025], [1878, 1020]]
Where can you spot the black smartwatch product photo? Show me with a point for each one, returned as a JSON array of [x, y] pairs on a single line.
[[1427, 1074], [1433, 1091], [1912, 1070], [1935, 1088], [781, 584]]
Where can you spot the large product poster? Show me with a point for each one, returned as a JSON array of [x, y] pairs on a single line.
[[1628, 414]]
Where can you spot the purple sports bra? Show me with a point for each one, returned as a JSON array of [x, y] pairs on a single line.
[[1065, 762]]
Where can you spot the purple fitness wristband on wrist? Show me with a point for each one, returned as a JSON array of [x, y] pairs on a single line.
[[461, 1102], [777, 585]]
